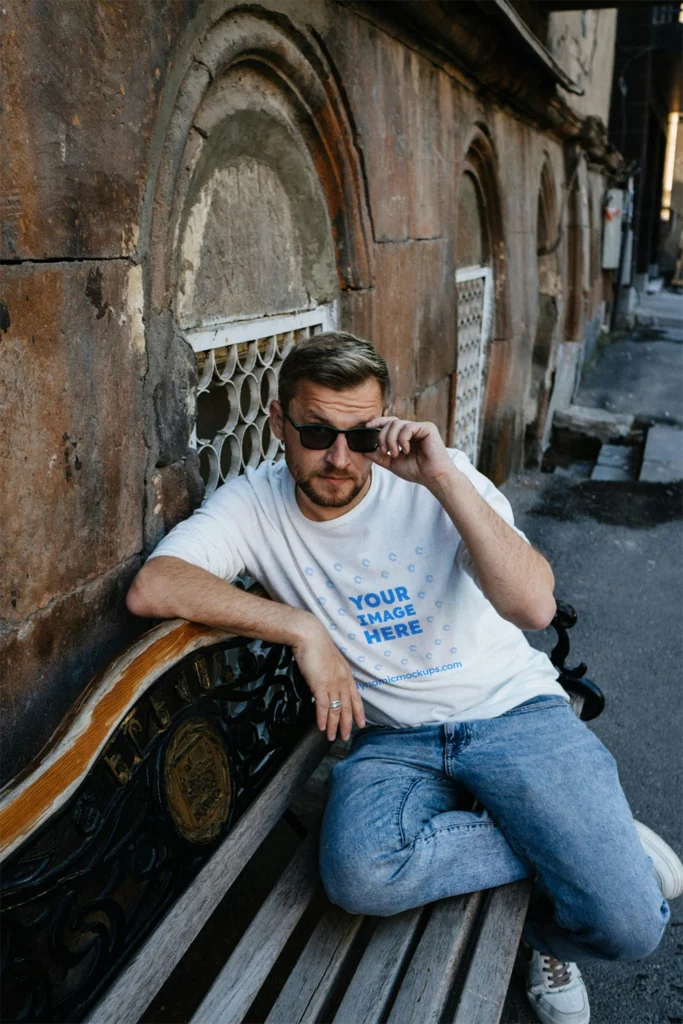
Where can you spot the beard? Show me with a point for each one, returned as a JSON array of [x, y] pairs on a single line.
[[329, 500], [337, 496]]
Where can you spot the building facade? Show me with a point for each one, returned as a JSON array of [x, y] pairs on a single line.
[[188, 188]]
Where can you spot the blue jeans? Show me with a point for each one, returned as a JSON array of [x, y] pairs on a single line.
[[399, 830]]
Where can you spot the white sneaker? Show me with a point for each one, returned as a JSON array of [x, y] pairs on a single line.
[[556, 990], [667, 865]]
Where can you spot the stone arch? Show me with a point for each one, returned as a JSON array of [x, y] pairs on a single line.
[[257, 208], [255, 51], [548, 310], [480, 165], [481, 161]]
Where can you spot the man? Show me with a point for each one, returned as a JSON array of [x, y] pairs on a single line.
[[402, 586]]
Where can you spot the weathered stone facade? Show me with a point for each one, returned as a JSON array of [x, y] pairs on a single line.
[[173, 164]]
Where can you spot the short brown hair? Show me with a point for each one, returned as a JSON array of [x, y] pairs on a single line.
[[335, 360]]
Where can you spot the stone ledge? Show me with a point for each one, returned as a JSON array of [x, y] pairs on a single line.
[[598, 423]]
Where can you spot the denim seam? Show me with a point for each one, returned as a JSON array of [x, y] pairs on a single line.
[[450, 756], [453, 828], [522, 710], [411, 787]]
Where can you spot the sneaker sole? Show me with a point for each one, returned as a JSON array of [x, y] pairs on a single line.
[[667, 864], [583, 1017]]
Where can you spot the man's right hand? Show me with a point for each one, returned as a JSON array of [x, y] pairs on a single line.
[[329, 678]]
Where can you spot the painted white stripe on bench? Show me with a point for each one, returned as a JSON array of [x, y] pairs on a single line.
[[308, 988], [425, 989], [243, 974], [483, 994], [131, 992], [370, 988]]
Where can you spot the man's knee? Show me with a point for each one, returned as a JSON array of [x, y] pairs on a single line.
[[358, 888], [631, 934]]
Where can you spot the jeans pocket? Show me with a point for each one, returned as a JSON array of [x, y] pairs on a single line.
[[537, 704]]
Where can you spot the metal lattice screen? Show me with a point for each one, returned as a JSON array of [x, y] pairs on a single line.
[[238, 365], [473, 287]]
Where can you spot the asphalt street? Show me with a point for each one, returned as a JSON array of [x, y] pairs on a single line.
[[617, 553]]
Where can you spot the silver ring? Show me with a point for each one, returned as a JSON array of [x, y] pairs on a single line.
[[334, 704], [312, 700]]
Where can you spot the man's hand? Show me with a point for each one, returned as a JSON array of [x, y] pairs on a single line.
[[329, 678], [413, 451], [167, 587], [516, 579]]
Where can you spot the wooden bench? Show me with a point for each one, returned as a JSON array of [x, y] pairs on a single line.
[[118, 844]]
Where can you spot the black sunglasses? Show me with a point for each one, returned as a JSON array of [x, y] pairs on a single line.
[[318, 436]]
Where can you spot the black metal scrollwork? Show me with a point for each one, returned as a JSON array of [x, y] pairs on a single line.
[[86, 889], [574, 679]]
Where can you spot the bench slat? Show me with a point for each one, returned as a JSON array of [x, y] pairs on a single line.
[[316, 973], [130, 993], [486, 984], [241, 977], [429, 978], [370, 988]]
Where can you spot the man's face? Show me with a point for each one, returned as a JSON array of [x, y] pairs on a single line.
[[335, 477]]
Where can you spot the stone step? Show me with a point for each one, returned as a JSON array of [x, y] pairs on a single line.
[[663, 459], [618, 456], [597, 423], [615, 462], [610, 473]]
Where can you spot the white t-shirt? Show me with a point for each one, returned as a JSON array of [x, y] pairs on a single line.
[[391, 580]]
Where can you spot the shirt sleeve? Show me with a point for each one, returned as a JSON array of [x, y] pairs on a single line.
[[492, 496], [213, 537]]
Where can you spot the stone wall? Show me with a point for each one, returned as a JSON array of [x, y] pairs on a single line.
[[126, 131], [582, 42]]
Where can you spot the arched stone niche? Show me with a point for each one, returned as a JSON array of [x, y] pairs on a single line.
[[480, 195], [259, 94], [257, 208], [549, 303], [254, 235]]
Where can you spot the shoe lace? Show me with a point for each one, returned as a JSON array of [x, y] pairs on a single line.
[[559, 971]]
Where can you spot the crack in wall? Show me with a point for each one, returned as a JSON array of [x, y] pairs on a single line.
[[7, 628], [19, 261]]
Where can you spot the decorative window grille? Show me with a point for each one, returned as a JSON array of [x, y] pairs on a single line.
[[475, 292], [239, 363]]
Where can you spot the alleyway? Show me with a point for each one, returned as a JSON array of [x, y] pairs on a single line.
[[617, 551]]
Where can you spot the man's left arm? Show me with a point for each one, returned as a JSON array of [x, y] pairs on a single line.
[[516, 579]]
